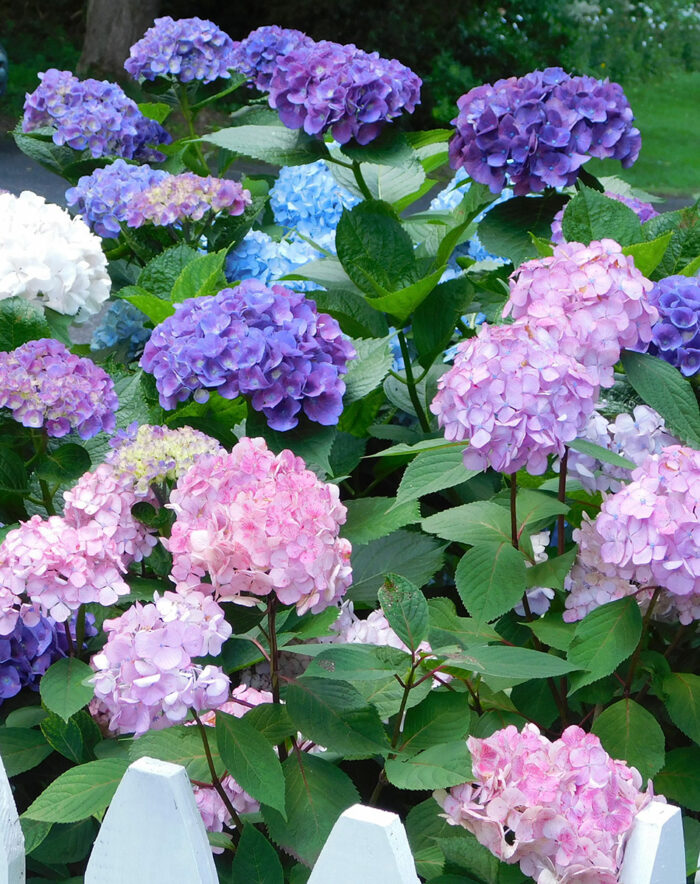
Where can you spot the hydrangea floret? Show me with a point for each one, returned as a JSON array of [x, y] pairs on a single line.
[[561, 809], [539, 598], [258, 54], [187, 49], [270, 344], [256, 524], [644, 211], [676, 336], [145, 675], [122, 324], [185, 197], [93, 115], [592, 299], [515, 397], [49, 258], [102, 197], [538, 130], [45, 385]]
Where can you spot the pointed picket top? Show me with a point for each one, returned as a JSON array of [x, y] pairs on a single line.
[[153, 832], [366, 845], [11, 837], [654, 852]]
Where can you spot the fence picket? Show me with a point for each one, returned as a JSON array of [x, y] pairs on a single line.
[[11, 838], [654, 853]]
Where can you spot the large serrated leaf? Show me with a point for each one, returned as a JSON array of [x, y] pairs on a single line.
[[473, 523], [21, 749], [438, 767], [590, 215], [180, 745], [604, 639], [256, 861], [491, 579], [406, 610], [432, 471], [63, 687], [504, 661], [629, 733], [369, 368], [159, 275], [507, 227], [79, 792], [682, 692], [679, 780], [443, 717], [21, 321], [272, 144], [370, 518]]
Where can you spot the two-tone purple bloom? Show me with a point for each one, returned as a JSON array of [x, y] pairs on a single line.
[[269, 344], [538, 130], [92, 115], [258, 54], [185, 197], [676, 336], [187, 49]]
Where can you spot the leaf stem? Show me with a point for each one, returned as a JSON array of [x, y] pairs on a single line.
[[216, 782], [638, 650], [513, 512], [361, 183], [562, 497], [411, 384]]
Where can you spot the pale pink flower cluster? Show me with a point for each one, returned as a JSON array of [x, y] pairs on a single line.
[[59, 566], [515, 396], [561, 809], [259, 523], [592, 299], [145, 678]]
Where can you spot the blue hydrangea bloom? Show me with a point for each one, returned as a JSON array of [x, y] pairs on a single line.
[[122, 322], [676, 336], [260, 257]]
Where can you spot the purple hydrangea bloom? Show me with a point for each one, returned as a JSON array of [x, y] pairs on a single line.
[[538, 130], [92, 115], [269, 344], [257, 55], [185, 197], [644, 211], [102, 197], [187, 49], [45, 385], [676, 336]]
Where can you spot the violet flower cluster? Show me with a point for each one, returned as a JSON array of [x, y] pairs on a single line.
[[561, 809], [187, 49], [145, 677], [515, 396], [266, 343], [257, 56], [644, 211], [92, 115], [592, 300], [676, 336], [103, 196], [185, 197], [258, 523], [538, 130], [44, 385]]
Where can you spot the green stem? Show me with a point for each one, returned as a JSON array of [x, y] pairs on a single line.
[[562, 498], [216, 782], [189, 115], [47, 498], [638, 650], [513, 511], [274, 664], [411, 384], [361, 183], [80, 629]]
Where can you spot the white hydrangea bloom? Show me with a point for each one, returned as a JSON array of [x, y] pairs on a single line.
[[48, 257], [539, 597]]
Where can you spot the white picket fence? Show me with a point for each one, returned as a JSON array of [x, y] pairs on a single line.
[[153, 834]]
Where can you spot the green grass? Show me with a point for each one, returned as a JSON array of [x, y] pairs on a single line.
[[667, 116]]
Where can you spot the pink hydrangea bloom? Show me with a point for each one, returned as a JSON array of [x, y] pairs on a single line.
[[259, 523], [185, 197], [592, 299], [373, 630], [515, 396], [561, 809], [59, 566], [145, 677]]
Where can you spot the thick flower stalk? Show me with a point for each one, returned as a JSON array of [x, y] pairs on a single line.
[[644, 211], [259, 524], [676, 336], [258, 54], [561, 809], [92, 115], [269, 344], [145, 677], [515, 397], [187, 49], [49, 258], [44, 385], [258, 256], [592, 299], [185, 197], [102, 197], [538, 130]]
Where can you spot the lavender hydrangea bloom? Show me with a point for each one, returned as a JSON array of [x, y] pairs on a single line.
[[676, 336], [644, 211], [102, 197], [92, 115], [122, 323], [187, 49], [257, 55], [259, 257], [185, 197], [538, 130], [266, 343]]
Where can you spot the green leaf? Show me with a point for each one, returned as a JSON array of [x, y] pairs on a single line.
[[276, 145], [443, 717], [685, 242], [21, 321], [183, 745], [355, 316], [507, 227], [374, 249], [368, 369], [424, 445], [63, 464], [647, 255], [692, 268], [159, 275], [401, 303], [203, 276], [34, 833], [155, 110], [504, 661], [551, 572], [309, 441], [447, 629], [79, 792], [272, 721], [327, 272], [432, 471], [439, 767], [534, 506], [603, 639], [155, 308], [602, 454], [135, 404], [679, 779], [590, 215], [664, 388], [434, 320], [66, 842], [390, 149], [630, 733], [13, 473], [26, 716], [406, 609], [63, 687], [491, 579], [389, 183], [250, 761], [691, 840], [408, 553], [682, 692], [356, 662], [473, 523], [370, 518], [317, 793], [333, 713], [22, 749], [256, 861]]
